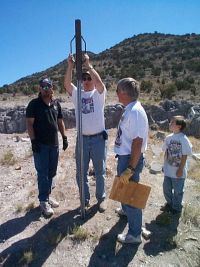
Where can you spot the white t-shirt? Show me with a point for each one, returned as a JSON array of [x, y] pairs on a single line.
[[92, 106], [133, 124], [176, 145]]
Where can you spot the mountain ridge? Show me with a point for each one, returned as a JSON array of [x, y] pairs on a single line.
[[164, 63]]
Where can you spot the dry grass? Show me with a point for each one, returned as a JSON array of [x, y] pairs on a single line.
[[80, 234], [19, 208], [196, 144], [8, 158], [194, 172], [30, 206], [27, 257], [191, 214]]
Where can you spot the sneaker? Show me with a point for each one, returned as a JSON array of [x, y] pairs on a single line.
[[120, 212], [53, 203], [129, 239], [46, 208], [102, 206], [166, 207]]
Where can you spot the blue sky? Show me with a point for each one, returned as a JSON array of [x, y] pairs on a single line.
[[35, 34]]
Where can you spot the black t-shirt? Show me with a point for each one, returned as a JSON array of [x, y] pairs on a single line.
[[46, 120]]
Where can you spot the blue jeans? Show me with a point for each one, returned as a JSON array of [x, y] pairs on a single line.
[[46, 162], [94, 148], [173, 189], [134, 215]]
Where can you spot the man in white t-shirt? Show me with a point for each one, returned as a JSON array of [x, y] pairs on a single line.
[[93, 95], [130, 144]]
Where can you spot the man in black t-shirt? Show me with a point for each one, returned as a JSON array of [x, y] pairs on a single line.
[[44, 118]]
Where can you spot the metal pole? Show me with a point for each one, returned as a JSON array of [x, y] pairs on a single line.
[[79, 114]]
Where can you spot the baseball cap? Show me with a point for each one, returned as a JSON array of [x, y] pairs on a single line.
[[45, 83]]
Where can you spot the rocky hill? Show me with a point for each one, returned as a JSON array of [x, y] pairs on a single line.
[[167, 65]]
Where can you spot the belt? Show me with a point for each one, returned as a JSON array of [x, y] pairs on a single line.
[[93, 135]]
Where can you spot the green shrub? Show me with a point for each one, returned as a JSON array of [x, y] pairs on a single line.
[[168, 91]]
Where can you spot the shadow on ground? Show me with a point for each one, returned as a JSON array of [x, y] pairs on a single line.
[[17, 225], [109, 252], [163, 229], [45, 240]]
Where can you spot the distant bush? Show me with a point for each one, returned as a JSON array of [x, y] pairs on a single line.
[[174, 74], [193, 65], [182, 85], [189, 79], [168, 91], [27, 91], [146, 86], [177, 67], [156, 71]]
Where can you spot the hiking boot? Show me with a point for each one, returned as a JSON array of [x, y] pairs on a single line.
[[53, 203], [129, 239], [166, 207], [46, 208], [120, 212], [102, 206]]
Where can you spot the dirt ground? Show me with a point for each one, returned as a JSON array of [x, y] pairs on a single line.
[[29, 239]]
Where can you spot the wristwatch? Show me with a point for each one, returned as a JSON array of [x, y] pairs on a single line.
[[131, 168]]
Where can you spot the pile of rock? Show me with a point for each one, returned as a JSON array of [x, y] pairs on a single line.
[[12, 120]]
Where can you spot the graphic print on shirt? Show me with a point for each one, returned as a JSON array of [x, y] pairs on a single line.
[[118, 140], [174, 153], [87, 105]]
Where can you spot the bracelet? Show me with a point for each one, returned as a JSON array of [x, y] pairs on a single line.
[[131, 168], [90, 68]]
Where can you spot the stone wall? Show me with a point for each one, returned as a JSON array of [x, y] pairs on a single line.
[[12, 120]]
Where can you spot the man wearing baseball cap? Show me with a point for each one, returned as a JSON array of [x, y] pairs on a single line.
[[44, 118], [93, 94]]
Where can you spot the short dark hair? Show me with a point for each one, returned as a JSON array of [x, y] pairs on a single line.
[[130, 86], [180, 120], [85, 73]]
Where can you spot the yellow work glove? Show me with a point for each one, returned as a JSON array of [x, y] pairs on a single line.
[[126, 175]]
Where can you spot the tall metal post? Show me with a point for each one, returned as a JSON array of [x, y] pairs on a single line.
[[79, 114]]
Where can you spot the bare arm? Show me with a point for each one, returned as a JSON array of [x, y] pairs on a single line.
[[61, 127], [29, 125], [179, 172], [99, 85], [68, 85], [135, 151]]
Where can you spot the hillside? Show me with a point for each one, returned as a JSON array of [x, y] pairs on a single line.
[[167, 66]]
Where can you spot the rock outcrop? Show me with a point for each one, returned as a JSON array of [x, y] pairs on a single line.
[[12, 120]]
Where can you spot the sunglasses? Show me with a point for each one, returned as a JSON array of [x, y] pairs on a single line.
[[47, 87], [87, 79]]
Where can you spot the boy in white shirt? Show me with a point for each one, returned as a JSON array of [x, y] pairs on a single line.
[[177, 147]]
